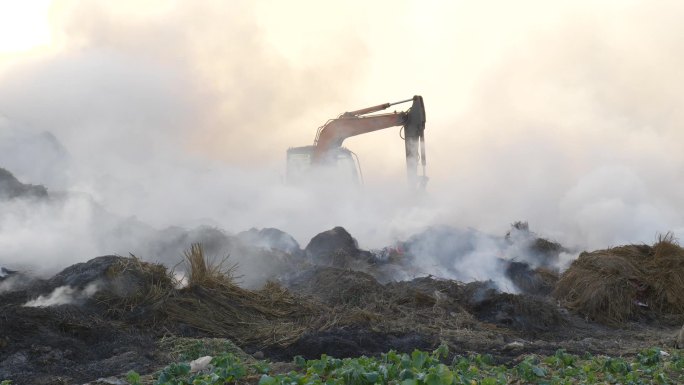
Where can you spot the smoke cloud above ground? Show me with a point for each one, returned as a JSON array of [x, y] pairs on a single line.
[[565, 114]]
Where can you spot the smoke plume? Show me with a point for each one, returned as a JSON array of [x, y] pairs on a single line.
[[63, 295], [141, 117]]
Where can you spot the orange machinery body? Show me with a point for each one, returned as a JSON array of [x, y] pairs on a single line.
[[327, 148]]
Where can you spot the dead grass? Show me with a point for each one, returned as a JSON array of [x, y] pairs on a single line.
[[133, 286], [337, 298], [427, 307], [208, 272], [667, 270], [616, 285], [212, 302]]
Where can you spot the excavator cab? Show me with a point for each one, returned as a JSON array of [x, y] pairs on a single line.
[[341, 164]]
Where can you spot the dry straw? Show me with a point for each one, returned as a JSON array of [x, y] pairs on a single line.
[[212, 303], [618, 284]]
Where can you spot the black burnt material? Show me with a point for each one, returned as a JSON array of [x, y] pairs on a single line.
[[11, 187], [344, 342], [335, 247]]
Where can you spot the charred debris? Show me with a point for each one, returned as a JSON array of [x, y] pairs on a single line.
[[113, 314]]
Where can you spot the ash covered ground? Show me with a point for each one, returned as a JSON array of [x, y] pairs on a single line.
[[111, 314]]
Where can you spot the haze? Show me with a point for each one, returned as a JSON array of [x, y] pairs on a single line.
[[564, 114]]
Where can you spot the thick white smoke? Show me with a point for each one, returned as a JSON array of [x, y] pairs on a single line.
[[562, 114], [64, 295]]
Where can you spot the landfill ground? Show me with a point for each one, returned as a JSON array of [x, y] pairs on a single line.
[[102, 318], [140, 319]]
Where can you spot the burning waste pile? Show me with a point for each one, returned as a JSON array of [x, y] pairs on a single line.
[[108, 315], [476, 292], [105, 316]]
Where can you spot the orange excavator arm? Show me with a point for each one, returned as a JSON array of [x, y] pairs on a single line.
[[353, 123], [337, 130]]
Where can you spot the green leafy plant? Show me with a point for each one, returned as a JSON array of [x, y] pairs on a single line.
[[430, 368], [133, 378]]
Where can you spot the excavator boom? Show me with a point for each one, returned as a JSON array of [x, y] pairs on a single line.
[[337, 130], [329, 139]]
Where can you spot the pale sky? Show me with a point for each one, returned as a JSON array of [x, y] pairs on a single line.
[[24, 26]]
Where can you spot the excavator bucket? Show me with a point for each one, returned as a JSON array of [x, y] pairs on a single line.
[[414, 137]]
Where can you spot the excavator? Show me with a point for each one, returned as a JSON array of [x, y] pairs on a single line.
[[328, 156]]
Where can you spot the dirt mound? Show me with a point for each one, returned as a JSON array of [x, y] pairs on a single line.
[[113, 327], [337, 287], [147, 296], [547, 252], [626, 283], [123, 276], [533, 248], [539, 281], [446, 243], [122, 287], [431, 286], [323, 304], [334, 286], [83, 338], [436, 299], [42, 345], [272, 239], [519, 312], [267, 253], [11, 187], [271, 316], [336, 247]]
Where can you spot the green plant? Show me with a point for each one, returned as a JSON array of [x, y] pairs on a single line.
[[133, 377], [429, 368]]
